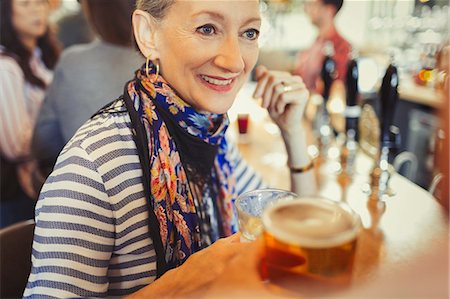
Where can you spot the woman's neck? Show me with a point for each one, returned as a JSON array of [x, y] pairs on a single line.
[[29, 42]]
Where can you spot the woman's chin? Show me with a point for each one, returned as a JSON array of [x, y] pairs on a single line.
[[222, 109]]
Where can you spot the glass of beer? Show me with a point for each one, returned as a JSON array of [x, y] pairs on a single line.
[[310, 244], [250, 206]]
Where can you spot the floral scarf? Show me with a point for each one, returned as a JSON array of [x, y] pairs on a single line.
[[192, 213]]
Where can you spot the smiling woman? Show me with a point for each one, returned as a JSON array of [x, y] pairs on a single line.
[[207, 54], [144, 188]]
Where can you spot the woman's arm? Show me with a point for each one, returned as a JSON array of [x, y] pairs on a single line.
[[16, 126], [302, 183], [75, 232], [285, 98]]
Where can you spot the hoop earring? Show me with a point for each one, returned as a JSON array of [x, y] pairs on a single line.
[[146, 69]]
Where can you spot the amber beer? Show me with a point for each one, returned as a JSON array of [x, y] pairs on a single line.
[[310, 243]]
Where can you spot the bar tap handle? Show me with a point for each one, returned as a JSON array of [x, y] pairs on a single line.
[[352, 111], [352, 82], [395, 140], [388, 102], [329, 72], [382, 171]]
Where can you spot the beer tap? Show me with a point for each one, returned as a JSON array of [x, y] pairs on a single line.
[[328, 75], [381, 173], [352, 113]]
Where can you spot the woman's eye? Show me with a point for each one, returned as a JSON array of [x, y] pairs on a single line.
[[251, 34], [206, 29]]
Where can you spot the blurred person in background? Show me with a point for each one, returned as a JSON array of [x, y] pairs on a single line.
[[86, 78], [28, 53], [70, 23], [309, 62]]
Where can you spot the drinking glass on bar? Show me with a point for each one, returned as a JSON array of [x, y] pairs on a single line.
[[310, 244], [243, 125], [250, 206]]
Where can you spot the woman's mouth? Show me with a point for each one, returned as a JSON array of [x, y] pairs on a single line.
[[217, 83]]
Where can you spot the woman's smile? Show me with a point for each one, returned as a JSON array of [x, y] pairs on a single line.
[[219, 84]]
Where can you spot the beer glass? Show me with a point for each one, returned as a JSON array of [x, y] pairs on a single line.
[[250, 206], [310, 244]]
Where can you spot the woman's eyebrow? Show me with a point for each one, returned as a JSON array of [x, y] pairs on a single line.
[[220, 17], [212, 14]]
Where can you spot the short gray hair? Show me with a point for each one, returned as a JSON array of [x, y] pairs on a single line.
[[156, 8]]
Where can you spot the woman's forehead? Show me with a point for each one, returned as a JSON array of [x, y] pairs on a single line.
[[225, 9]]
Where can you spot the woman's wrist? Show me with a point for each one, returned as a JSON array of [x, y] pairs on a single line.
[[296, 148]]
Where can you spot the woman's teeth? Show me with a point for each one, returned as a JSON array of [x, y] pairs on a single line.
[[216, 81]]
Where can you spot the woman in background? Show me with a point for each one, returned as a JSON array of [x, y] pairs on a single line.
[[87, 77], [28, 53]]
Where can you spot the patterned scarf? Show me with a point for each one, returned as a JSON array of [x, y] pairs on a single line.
[[193, 205]]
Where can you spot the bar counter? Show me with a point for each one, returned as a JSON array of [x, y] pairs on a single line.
[[399, 234]]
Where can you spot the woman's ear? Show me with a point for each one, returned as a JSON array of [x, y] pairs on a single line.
[[144, 28]]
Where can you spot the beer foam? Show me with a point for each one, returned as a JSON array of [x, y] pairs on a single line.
[[311, 222]]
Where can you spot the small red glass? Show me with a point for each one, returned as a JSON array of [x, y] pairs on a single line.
[[243, 123]]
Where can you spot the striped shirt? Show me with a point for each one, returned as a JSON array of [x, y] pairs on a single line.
[[91, 237]]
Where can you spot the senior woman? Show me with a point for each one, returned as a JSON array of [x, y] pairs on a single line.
[[150, 180]]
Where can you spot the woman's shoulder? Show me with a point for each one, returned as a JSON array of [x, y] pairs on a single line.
[[110, 124], [9, 64]]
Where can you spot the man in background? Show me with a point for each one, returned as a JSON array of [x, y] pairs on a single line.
[[309, 62]]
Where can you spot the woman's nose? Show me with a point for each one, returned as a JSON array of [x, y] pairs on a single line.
[[230, 56]]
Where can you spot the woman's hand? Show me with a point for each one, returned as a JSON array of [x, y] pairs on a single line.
[[197, 273], [27, 173], [284, 96], [241, 278]]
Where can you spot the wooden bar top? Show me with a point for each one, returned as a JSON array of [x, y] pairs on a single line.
[[399, 234]]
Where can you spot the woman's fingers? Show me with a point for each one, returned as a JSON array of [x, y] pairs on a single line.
[[287, 93], [267, 82], [278, 89]]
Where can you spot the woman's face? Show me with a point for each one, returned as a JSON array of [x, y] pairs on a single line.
[[29, 18], [207, 50]]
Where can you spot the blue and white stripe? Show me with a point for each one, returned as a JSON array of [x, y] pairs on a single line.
[[91, 237]]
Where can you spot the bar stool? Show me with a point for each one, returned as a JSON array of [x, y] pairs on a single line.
[[16, 243]]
